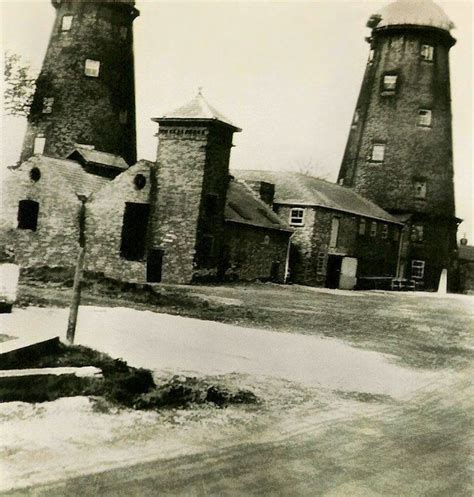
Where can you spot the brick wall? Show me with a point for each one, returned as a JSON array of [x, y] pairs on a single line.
[[104, 220], [55, 242], [87, 109]]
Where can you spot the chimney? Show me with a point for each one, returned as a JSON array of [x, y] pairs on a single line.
[[265, 191]]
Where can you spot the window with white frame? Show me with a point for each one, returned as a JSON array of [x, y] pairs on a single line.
[[424, 117], [92, 68], [378, 152], [417, 269], [48, 105], [420, 189], [40, 142], [385, 231], [297, 217], [66, 23], [389, 83], [334, 232], [427, 52], [373, 228], [362, 226]]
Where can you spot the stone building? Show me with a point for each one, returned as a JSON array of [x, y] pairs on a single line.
[[85, 92], [340, 237], [399, 150], [466, 267]]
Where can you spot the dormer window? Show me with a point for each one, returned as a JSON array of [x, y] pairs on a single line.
[[427, 53], [92, 68], [389, 84], [378, 152], [297, 217], [66, 23], [424, 118], [48, 105]]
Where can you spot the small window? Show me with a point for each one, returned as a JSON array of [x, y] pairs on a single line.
[[356, 117], [385, 231], [420, 189], [48, 105], [92, 68], [123, 116], [424, 117], [396, 234], [334, 232], [417, 233], [371, 55], [66, 23], [378, 152], [139, 181], [123, 32], [362, 227], [427, 52], [40, 143], [389, 83], [297, 217], [28, 215], [373, 229], [266, 240], [321, 263], [35, 174], [417, 269], [211, 203]]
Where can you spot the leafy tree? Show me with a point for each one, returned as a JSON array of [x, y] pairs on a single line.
[[19, 85]]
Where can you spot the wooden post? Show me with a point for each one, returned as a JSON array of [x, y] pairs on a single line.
[[76, 289]]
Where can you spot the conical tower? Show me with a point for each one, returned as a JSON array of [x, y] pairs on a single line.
[[399, 151], [85, 92]]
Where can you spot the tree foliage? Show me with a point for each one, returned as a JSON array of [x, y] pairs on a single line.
[[19, 85]]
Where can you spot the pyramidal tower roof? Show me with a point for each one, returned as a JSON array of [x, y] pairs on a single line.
[[198, 109], [411, 13]]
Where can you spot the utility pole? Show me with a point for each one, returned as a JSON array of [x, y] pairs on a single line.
[[76, 289]]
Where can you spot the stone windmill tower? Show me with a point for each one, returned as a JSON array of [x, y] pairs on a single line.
[[399, 151], [85, 92]]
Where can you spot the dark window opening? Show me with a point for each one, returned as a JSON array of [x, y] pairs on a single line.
[[35, 174], [134, 231], [154, 266], [139, 181], [28, 215]]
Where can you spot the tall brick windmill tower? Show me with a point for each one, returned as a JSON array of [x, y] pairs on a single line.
[[399, 151], [85, 92]]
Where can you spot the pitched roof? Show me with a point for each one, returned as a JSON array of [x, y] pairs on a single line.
[[412, 13], [100, 158], [198, 109], [242, 206], [299, 189], [81, 182], [466, 252]]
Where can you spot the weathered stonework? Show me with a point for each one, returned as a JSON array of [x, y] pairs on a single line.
[[97, 111], [414, 153]]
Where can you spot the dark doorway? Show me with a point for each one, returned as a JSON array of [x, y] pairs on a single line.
[[333, 271], [134, 229], [224, 263], [275, 272], [28, 215], [154, 265]]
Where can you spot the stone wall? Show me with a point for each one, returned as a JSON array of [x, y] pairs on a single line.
[[55, 242], [255, 253], [87, 109], [104, 220]]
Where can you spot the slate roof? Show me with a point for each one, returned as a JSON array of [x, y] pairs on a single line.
[[198, 109], [242, 206], [79, 180], [302, 190], [100, 158], [466, 252], [412, 13]]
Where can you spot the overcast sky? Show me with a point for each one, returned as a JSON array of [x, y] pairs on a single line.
[[288, 73]]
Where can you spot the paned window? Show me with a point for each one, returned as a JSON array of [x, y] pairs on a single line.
[[321, 263], [92, 68], [48, 105], [373, 229], [424, 117], [362, 227], [66, 23], [297, 217], [427, 52], [378, 152], [389, 83], [417, 269], [385, 231]]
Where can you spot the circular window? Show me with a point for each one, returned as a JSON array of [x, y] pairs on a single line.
[[35, 174], [140, 181]]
